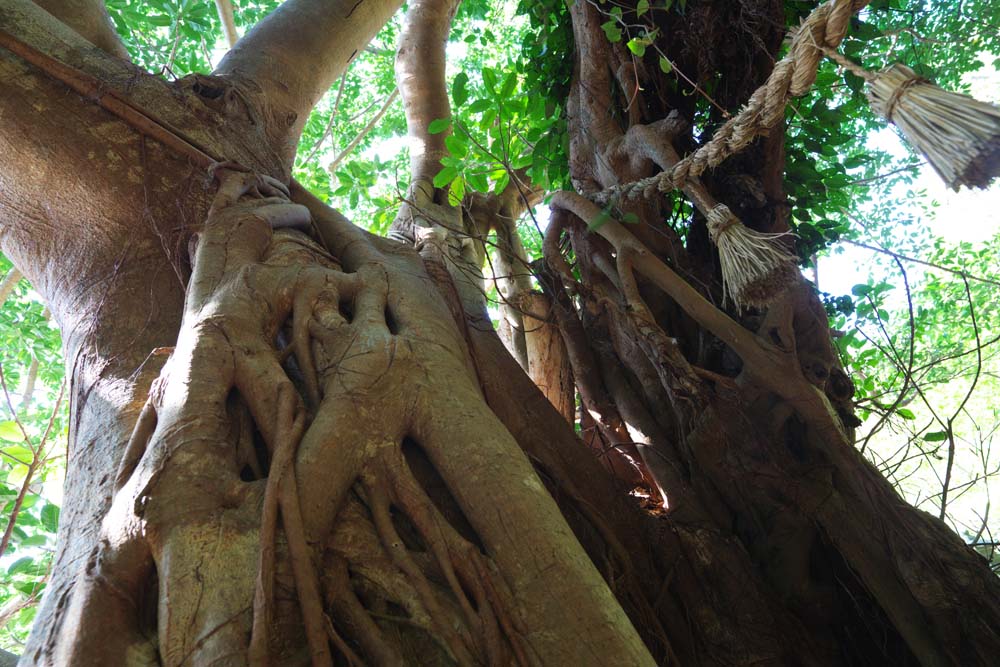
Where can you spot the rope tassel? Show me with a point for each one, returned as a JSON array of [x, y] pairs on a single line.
[[958, 134], [755, 266]]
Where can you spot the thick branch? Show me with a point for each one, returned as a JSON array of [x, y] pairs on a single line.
[[90, 19], [768, 364], [420, 75], [299, 50]]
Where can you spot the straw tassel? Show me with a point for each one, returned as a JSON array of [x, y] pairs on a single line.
[[756, 267], [958, 134]]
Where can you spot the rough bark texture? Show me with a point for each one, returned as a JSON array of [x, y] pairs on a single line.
[[296, 443]]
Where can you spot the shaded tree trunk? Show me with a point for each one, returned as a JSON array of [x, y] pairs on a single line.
[[293, 442]]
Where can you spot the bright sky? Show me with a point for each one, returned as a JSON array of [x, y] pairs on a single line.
[[967, 215]]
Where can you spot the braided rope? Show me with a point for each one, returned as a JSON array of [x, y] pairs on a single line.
[[824, 29]]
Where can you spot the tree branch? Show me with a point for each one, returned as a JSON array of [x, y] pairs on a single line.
[[420, 75], [364, 131], [90, 19], [300, 49], [225, 9]]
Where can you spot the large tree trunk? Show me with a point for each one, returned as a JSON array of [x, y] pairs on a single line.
[[241, 363], [164, 543]]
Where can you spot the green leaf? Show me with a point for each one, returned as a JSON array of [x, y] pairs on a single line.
[[456, 145], [445, 176], [480, 106], [20, 452], [600, 220], [50, 517], [665, 65], [905, 413], [936, 436], [21, 565], [612, 31], [459, 91], [630, 218], [11, 432], [642, 7], [490, 78], [637, 46], [30, 588], [456, 191], [861, 290], [502, 182], [509, 84], [440, 125], [37, 540], [478, 181]]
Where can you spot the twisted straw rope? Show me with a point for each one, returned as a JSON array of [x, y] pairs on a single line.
[[822, 31]]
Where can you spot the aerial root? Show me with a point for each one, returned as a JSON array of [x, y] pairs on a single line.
[[143, 430], [459, 644], [492, 632], [352, 658], [145, 425], [455, 555], [282, 492], [301, 343], [351, 614], [316, 306], [246, 454]]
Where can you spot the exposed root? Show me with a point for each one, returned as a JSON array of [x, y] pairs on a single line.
[[289, 427], [457, 641], [353, 616]]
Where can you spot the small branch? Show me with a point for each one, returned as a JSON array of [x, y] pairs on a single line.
[[18, 502], [13, 412], [12, 608], [329, 123], [364, 131], [37, 459], [968, 395], [908, 373], [225, 9], [890, 253], [10, 281]]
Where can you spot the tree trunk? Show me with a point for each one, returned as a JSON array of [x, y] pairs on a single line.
[[244, 359]]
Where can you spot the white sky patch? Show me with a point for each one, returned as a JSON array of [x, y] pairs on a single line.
[[966, 215]]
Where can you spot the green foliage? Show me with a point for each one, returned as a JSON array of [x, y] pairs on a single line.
[[922, 346], [507, 110], [831, 163], [27, 340]]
